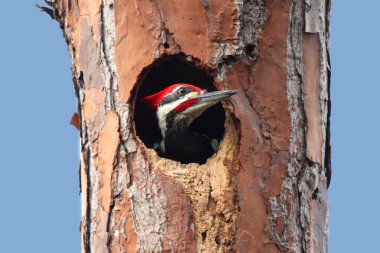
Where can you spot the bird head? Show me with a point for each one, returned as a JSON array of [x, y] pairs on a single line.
[[178, 105]]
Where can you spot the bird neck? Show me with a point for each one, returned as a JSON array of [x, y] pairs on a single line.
[[183, 145], [173, 123], [172, 129], [177, 125]]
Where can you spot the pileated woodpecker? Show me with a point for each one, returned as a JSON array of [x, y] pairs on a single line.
[[177, 106]]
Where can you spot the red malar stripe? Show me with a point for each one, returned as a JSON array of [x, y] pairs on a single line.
[[184, 105]]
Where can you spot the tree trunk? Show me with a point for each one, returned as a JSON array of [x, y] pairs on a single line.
[[265, 188]]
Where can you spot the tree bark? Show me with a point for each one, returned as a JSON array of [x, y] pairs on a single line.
[[265, 188]]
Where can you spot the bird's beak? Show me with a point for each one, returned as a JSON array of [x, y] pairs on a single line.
[[214, 97], [198, 103], [204, 100]]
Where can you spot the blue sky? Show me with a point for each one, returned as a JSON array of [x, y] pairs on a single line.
[[39, 192], [354, 192]]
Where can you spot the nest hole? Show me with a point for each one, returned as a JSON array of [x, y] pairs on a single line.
[[164, 72]]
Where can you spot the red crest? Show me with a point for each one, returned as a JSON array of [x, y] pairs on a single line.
[[154, 100]]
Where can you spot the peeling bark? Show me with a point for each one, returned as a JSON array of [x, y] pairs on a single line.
[[265, 190]]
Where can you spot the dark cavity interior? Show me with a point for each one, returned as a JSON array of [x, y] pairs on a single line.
[[162, 73]]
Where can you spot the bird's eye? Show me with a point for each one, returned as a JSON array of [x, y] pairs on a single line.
[[182, 91]]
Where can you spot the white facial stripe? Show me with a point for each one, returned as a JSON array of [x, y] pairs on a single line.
[[163, 111]]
